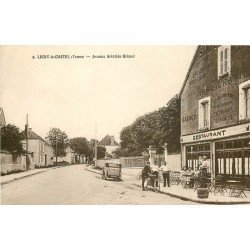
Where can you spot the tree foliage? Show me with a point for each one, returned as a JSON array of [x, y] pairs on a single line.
[[11, 139], [58, 140], [80, 145], [100, 152], [154, 128]]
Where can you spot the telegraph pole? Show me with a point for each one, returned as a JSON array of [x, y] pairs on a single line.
[[95, 146], [56, 150], [27, 142]]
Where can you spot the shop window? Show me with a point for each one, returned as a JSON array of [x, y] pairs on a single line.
[[244, 100], [229, 145], [204, 113], [224, 60]]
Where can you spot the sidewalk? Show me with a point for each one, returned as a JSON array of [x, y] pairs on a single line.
[[129, 175], [12, 177], [18, 176]]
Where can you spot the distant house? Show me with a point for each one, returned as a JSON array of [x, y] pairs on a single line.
[[109, 143], [40, 150], [70, 157]]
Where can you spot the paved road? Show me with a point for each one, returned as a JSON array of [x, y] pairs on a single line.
[[75, 185]]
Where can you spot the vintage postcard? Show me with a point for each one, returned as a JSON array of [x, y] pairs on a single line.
[[144, 124]]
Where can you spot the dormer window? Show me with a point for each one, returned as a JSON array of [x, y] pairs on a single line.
[[224, 60]]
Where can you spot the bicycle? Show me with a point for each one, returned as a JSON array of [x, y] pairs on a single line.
[[153, 182]]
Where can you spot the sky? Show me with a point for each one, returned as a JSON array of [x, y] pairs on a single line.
[[74, 94]]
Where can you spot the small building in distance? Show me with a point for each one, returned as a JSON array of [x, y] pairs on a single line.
[[109, 143], [70, 157]]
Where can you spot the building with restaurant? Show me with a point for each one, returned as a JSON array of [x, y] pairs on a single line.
[[215, 110]]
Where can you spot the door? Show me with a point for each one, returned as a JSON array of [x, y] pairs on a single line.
[[194, 152]]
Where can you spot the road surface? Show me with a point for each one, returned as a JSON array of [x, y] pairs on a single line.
[[75, 185]]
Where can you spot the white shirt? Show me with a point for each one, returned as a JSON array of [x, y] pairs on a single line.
[[154, 168], [165, 168]]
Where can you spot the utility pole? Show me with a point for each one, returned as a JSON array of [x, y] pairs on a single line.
[[95, 146], [56, 150], [27, 142]]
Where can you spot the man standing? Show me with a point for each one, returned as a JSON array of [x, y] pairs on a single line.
[[165, 168], [145, 174], [155, 173]]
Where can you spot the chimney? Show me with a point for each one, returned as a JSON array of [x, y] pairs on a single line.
[[112, 140]]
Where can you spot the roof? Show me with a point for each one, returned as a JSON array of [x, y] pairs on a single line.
[[189, 69], [32, 135], [198, 50], [106, 141]]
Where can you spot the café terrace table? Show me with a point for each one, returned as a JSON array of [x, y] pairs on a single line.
[[236, 188]]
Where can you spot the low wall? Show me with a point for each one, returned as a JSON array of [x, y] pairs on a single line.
[[12, 167], [101, 162], [174, 161], [125, 161], [138, 162], [5, 157]]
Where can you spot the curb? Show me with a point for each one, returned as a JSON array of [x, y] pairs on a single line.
[[200, 201], [22, 177], [92, 171]]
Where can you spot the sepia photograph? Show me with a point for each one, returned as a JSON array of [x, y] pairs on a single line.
[[125, 124]]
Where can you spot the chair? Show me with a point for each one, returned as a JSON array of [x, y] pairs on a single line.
[[219, 185]]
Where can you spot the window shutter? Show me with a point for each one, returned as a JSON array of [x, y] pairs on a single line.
[[229, 59], [219, 61]]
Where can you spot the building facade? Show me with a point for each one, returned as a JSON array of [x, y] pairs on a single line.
[[41, 152], [70, 157], [109, 143], [215, 110]]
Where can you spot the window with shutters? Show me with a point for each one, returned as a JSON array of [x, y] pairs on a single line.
[[204, 113], [224, 60], [244, 100]]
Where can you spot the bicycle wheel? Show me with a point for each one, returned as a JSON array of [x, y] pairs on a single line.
[[139, 176]]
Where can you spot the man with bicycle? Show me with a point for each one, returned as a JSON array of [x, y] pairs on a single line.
[[145, 174]]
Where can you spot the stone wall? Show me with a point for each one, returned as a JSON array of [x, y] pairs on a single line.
[[12, 167], [174, 161]]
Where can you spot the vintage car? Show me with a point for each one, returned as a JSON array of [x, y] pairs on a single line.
[[112, 170]]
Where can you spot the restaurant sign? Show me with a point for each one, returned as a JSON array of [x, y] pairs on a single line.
[[216, 134]]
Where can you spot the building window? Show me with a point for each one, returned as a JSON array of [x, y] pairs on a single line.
[[204, 113], [247, 101], [224, 60], [244, 100]]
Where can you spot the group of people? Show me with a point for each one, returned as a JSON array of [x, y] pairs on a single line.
[[200, 173], [189, 175], [153, 171]]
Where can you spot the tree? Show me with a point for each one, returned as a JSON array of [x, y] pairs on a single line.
[[59, 141], [11, 140], [80, 145], [154, 128], [100, 152]]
